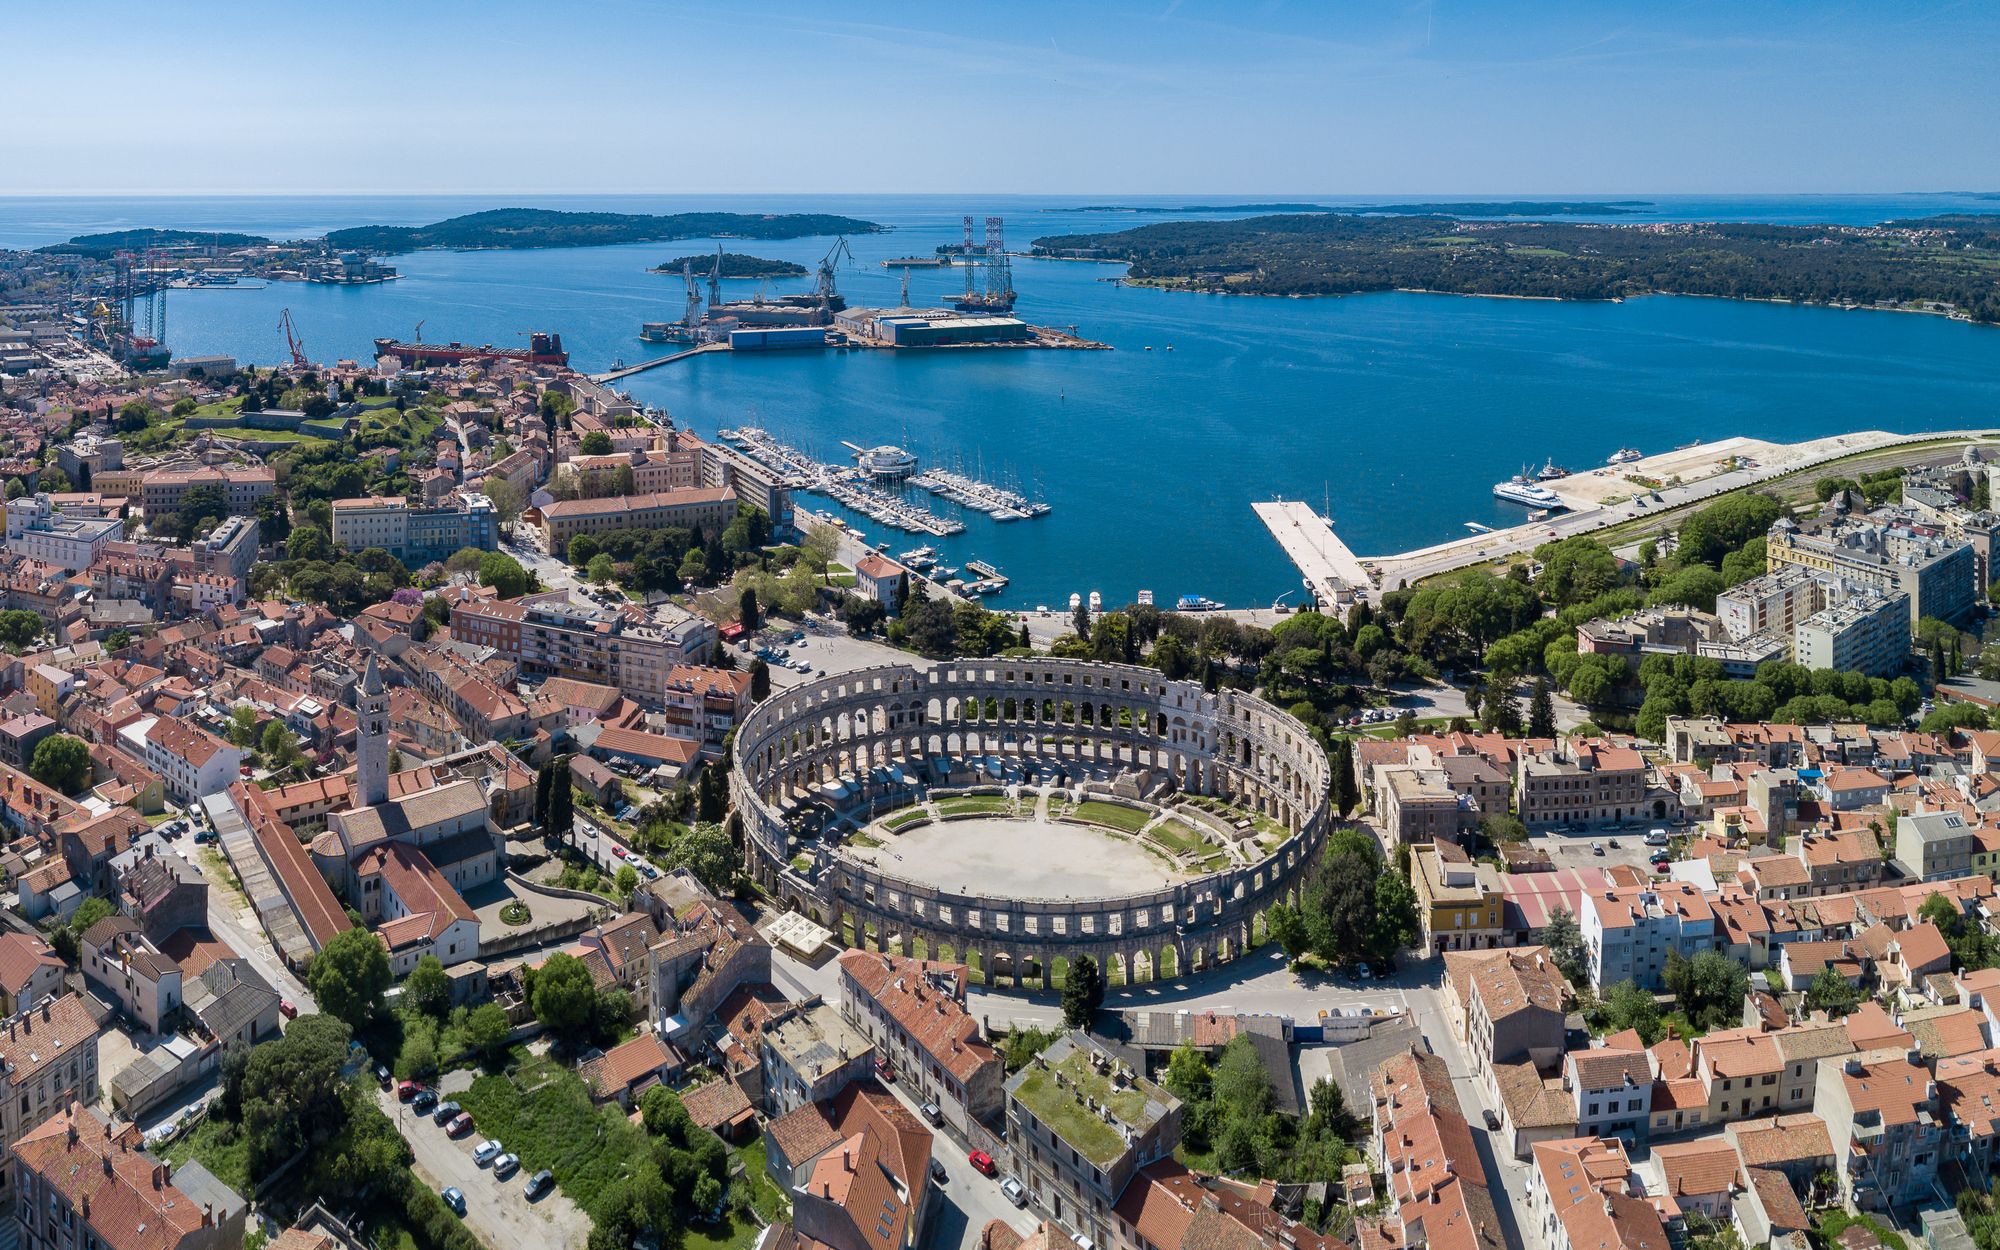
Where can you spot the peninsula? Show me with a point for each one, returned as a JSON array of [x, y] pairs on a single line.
[[541, 227], [1456, 208], [1941, 264], [734, 265]]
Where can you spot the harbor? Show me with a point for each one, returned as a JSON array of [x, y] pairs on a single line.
[[846, 485]]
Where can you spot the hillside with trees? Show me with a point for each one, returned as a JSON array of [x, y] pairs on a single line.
[[542, 227], [1950, 260]]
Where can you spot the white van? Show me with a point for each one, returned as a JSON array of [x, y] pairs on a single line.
[[1657, 837]]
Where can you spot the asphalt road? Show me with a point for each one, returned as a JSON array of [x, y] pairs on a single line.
[[966, 1202], [498, 1212]]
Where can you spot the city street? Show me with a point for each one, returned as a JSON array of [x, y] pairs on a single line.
[[967, 1201], [498, 1212]]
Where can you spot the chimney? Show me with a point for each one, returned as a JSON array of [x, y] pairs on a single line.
[[207, 1214], [158, 1181], [86, 1206]]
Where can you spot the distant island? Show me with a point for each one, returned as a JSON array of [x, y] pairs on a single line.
[[1454, 208], [541, 227], [1937, 264], [104, 246], [734, 265]]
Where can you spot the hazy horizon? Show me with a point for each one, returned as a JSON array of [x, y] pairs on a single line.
[[636, 98]]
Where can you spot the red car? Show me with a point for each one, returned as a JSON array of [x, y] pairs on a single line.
[[460, 1125], [982, 1163], [619, 851], [405, 1090], [288, 1009], [885, 1070]]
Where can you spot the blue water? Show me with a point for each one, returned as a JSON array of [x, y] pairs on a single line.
[[1399, 411]]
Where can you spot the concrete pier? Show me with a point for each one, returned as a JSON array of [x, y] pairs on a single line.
[[1332, 571]]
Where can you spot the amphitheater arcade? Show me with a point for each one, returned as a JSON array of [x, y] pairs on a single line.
[[850, 736]]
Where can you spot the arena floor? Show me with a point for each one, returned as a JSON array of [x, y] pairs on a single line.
[[1018, 857]]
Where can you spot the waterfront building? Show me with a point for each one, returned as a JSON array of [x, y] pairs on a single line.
[[37, 529], [708, 509], [879, 578], [758, 485]]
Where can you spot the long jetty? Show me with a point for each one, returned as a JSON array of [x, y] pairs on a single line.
[[656, 362], [1333, 572]]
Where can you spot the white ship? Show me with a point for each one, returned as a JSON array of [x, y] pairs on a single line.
[[1523, 489], [1624, 455]]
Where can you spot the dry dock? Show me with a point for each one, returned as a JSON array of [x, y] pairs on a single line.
[[1332, 571]]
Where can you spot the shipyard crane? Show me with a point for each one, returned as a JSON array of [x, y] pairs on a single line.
[[691, 319], [715, 279], [971, 271], [292, 341], [824, 289]]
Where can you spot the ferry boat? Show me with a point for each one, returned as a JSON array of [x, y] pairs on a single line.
[[1196, 603], [1523, 489], [1624, 455]]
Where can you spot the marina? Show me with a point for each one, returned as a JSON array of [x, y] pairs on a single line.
[[998, 502], [844, 485]]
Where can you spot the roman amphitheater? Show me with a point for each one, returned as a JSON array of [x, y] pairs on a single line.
[[1015, 814]]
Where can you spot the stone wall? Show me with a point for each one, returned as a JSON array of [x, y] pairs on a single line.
[[1049, 714]]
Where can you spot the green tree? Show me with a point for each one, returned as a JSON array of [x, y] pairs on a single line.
[[1726, 525], [1830, 992], [292, 1094], [760, 680], [1288, 929], [702, 848], [563, 998], [1575, 570], [1564, 938], [595, 443], [61, 763], [504, 573], [582, 549], [1083, 992], [486, 1029], [427, 989], [1541, 711], [1187, 1076], [20, 628], [349, 976], [626, 881], [746, 610], [1629, 1007], [1346, 794], [601, 569], [308, 542], [561, 823]]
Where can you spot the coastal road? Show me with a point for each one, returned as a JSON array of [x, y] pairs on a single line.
[[497, 1211]]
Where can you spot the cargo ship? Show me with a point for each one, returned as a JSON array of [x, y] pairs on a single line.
[[542, 349]]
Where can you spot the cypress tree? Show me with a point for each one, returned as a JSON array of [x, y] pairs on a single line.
[[544, 782], [1541, 711]]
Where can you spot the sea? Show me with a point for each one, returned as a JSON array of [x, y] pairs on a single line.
[[1392, 413]]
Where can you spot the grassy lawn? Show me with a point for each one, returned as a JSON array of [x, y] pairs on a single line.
[[1176, 837], [230, 1163], [543, 1112], [1115, 815], [761, 1191], [733, 1233], [903, 820], [863, 840], [975, 803], [1831, 1224]]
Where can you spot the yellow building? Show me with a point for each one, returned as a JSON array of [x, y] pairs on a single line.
[[1458, 901]]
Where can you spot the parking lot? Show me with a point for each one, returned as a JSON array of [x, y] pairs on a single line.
[[499, 1212], [1621, 846]]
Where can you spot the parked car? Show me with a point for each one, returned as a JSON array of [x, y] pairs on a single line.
[[460, 1125], [1661, 865], [885, 1070], [938, 1172], [424, 1100], [485, 1152], [454, 1198], [981, 1162], [932, 1113], [288, 1009], [1657, 837], [444, 1113], [1613, 844], [619, 851], [406, 1090], [382, 1076], [205, 836], [1597, 848], [1492, 1121], [505, 1165], [1015, 1194], [540, 1182]]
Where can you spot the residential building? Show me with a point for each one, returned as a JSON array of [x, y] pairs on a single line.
[[1883, 1118], [810, 1054], [417, 533], [1437, 1190], [1458, 902], [1866, 631], [1418, 805], [228, 550], [914, 1012], [48, 1056], [193, 762], [37, 530], [30, 971], [161, 490], [856, 1169], [84, 1183], [118, 959], [1891, 552], [554, 637], [1081, 1124], [1583, 781], [879, 578], [703, 704], [1582, 1197], [1514, 1003], [1932, 846], [1628, 930], [1611, 1088]]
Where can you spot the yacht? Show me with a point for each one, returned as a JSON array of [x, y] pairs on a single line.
[[1523, 489], [1624, 455]]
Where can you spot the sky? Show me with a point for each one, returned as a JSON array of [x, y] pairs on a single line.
[[1167, 97]]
